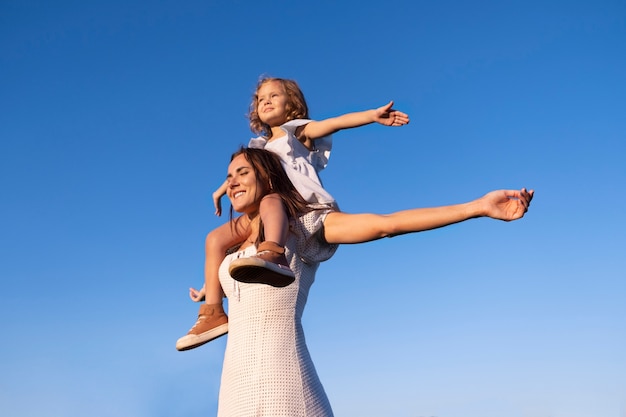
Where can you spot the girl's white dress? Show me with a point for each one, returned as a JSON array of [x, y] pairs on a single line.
[[301, 164], [267, 368]]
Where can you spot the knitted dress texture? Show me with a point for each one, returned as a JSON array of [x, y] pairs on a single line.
[[267, 370]]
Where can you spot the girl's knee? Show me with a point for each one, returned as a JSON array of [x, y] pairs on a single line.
[[271, 200], [212, 240], [223, 237]]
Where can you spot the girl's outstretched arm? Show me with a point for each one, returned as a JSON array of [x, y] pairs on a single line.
[[384, 115]]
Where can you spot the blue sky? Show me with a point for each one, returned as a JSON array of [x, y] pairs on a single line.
[[117, 120]]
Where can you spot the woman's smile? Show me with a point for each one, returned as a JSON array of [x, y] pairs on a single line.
[[243, 186]]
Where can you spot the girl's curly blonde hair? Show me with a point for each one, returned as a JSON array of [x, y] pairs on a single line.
[[296, 106]]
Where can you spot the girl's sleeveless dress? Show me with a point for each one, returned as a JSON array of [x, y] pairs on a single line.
[[267, 367], [301, 164]]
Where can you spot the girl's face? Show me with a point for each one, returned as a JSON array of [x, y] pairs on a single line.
[[272, 103], [244, 188]]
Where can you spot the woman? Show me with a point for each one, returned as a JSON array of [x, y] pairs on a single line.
[[267, 368]]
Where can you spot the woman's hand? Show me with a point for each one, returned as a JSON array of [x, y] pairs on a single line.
[[197, 295], [506, 205]]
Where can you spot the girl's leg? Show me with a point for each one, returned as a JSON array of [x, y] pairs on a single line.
[[359, 228], [274, 218], [269, 265], [217, 242], [212, 322]]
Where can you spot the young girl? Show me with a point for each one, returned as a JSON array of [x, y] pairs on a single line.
[[279, 113]]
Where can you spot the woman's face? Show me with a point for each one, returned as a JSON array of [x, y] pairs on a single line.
[[244, 189]]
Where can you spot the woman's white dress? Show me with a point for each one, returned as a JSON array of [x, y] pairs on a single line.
[[267, 367]]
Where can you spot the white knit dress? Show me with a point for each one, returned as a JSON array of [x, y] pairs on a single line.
[[267, 367]]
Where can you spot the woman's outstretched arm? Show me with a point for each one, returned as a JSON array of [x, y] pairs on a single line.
[[506, 205]]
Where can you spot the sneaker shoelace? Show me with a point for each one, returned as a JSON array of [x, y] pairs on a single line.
[[200, 318]]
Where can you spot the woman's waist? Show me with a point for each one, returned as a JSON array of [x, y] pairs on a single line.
[[245, 313]]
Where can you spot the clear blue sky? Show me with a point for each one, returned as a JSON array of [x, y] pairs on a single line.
[[117, 119]]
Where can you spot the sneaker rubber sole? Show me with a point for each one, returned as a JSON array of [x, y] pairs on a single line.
[[255, 270], [192, 341]]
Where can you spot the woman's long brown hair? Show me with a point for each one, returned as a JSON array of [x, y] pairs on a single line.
[[269, 171]]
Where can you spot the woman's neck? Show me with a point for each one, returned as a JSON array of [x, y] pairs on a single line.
[[252, 230]]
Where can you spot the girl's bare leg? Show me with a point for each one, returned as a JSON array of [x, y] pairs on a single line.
[[274, 218], [269, 266], [217, 242], [212, 321]]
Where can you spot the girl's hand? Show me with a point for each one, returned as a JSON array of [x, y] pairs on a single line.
[[197, 295], [217, 198], [387, 116], [217, 202], [507, 205]]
